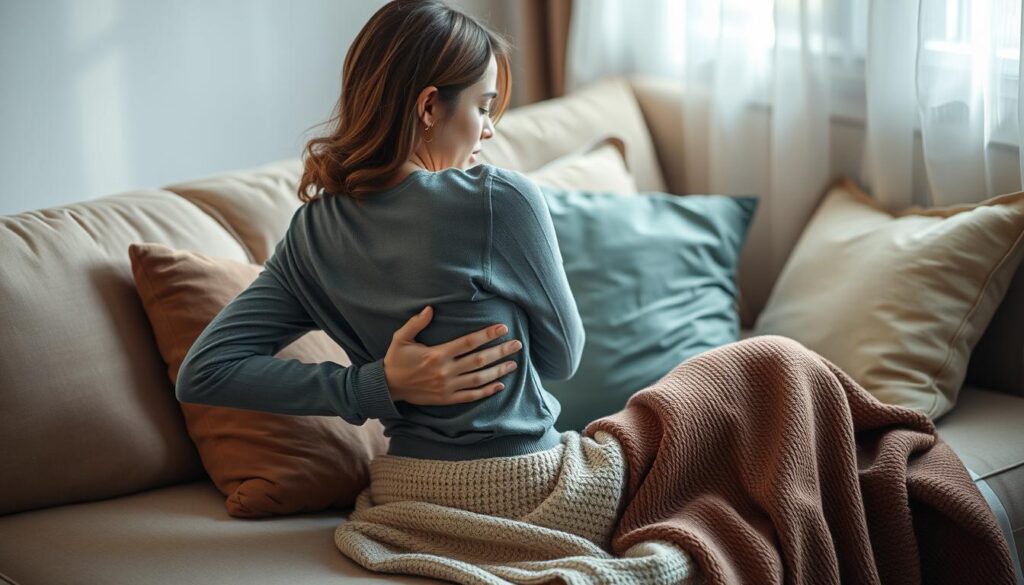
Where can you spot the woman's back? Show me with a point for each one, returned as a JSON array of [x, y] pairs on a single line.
[[478, 245]]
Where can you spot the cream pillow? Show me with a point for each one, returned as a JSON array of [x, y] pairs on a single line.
[[599, 167], [900, 300]]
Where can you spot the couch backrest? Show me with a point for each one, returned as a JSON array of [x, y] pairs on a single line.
[[87, 409], [255, 205]]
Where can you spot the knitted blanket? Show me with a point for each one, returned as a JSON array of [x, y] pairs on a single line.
[[536, 518], [769, 464], [756, 462]]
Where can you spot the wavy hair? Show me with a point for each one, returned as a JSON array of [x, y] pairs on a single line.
[[406, 46]]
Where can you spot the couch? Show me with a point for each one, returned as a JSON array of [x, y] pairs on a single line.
[[101, 483]]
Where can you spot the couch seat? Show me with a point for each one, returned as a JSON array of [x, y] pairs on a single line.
[[985, 430], [173, 535]]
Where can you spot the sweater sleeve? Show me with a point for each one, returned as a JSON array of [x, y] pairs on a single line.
[[525, 266], [232, 362]]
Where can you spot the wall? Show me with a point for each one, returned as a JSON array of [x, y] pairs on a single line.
[[104, 96]]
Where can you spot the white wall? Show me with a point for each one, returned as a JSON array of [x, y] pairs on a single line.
[[104, 96]]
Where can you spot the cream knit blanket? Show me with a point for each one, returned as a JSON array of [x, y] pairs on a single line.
[[532, 518]]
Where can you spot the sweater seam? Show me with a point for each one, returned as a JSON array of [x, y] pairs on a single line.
[[563, 329], [489, 230]]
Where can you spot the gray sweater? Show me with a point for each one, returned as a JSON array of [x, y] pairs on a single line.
[[477, 244]]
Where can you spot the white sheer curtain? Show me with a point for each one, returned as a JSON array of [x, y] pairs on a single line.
[[777, 94]]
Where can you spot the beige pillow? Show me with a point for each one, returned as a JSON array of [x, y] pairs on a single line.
[[601, 167], [267, 464], [897, 300]]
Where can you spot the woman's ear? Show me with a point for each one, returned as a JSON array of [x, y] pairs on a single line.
[[427, 106]]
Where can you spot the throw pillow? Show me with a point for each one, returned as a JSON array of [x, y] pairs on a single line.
[[600, 166], [265, 463], [654, 278], [897, 300]]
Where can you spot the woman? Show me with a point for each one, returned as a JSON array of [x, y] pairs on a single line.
[[402, 217]]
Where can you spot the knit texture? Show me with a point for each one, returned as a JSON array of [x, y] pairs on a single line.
[[768, 464], [529, 518]]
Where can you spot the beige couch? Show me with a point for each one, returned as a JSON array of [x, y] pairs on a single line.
[[100, 481]]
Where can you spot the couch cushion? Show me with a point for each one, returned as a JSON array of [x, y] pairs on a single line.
[[255, 204], [660, 100], [986, 431], [599, 167], [86, 408], [654, 278], [172, 535], [898, 299]]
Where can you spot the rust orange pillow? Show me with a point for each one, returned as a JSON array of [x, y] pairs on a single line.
[[266, 464]]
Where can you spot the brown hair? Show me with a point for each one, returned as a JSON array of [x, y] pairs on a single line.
[[406, 46]]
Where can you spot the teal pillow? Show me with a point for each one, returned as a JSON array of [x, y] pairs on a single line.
[[654, 277]]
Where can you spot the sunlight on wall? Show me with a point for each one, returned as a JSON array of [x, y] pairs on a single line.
[[97, 93], [105, 96]]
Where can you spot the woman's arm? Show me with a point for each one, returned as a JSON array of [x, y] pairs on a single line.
[[232, 362], [525, 266]]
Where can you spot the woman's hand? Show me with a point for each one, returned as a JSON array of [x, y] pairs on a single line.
[[432, 374]]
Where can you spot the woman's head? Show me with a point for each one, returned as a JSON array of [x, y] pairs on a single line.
[[418, 85]]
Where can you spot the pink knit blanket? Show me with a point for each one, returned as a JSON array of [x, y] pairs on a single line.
[[769, 464]]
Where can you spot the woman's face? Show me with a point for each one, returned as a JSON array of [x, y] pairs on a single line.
[[454, 139]]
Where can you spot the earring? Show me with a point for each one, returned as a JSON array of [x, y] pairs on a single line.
[[425, 134]]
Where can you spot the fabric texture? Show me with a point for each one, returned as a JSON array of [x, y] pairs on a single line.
[[83, 391], [898, 301], [358, 270], [654, 278], [253, 204], [266, 464], [525, 519], [767, 463]]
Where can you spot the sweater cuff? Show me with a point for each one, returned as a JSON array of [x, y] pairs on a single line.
[[372, 392]]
